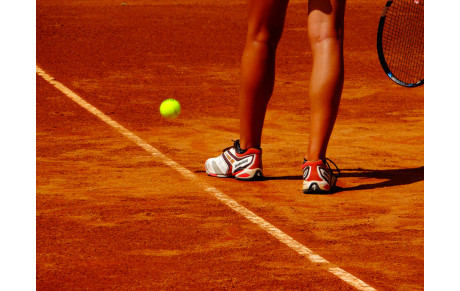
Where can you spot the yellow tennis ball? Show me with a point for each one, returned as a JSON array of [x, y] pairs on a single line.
[[170, 108]]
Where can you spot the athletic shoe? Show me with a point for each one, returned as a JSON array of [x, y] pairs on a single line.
[[238, 163], [318, 177]]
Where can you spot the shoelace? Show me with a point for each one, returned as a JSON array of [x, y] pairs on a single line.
[[325, 161], [236, 145]]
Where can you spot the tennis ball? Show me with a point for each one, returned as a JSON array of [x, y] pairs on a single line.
[[170, 108]]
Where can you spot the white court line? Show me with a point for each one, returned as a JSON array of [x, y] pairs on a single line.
[[251, 216]]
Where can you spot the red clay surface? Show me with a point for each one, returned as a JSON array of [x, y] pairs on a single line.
[[111, 216]]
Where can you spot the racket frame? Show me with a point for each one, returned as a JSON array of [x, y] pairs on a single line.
[[382, 56]]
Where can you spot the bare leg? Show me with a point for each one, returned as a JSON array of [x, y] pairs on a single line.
[[325, 31], [265, 26]]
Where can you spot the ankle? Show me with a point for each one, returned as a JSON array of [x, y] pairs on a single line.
[[244, 146], [313, 158]]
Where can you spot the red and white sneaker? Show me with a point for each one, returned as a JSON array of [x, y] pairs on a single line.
[[238, 163], [318, 177]]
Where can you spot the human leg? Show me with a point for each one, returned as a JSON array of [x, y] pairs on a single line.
[[265, 26], [325, 30]]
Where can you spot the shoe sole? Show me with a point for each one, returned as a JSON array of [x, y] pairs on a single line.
[[256, 176], [315, 189]]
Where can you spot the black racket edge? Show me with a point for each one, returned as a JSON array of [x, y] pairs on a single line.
[[382, 57]]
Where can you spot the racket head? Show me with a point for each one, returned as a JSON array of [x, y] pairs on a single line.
[[400, 41]]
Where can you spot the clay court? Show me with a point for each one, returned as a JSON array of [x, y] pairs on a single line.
[[111, 214]]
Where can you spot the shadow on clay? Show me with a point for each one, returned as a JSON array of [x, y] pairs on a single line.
[[396, 177], [392, 178]]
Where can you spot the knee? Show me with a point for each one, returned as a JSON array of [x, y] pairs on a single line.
[[269, 36], [326, 22]]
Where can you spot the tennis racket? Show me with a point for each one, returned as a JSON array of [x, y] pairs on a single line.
[[400, 41]]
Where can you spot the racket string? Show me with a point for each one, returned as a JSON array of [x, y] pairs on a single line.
[[403, 40]]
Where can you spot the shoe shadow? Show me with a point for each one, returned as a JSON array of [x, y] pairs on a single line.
[[396, 177], [392, 178], [298, 177]]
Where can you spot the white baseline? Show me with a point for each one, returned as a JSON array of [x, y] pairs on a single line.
[[248, 214]]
